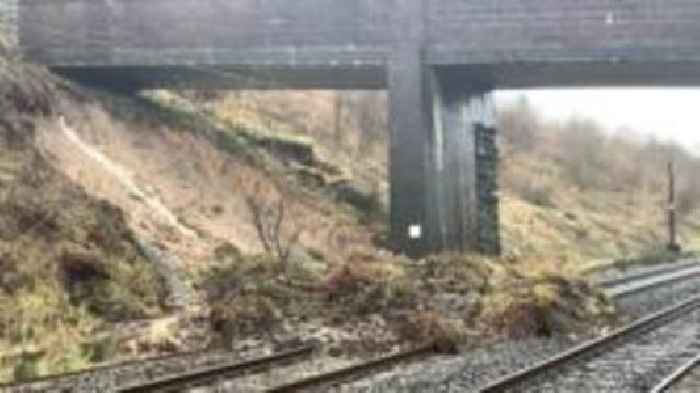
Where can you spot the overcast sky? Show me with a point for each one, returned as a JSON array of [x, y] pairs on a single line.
[[667, 113]]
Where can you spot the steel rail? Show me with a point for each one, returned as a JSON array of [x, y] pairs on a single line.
[[104, 367], [206, 375], [642, 325], [337, 376], [644, 284], [676, 267], [676, 376]]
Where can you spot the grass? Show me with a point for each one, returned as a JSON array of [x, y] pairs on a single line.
[[593, 224]]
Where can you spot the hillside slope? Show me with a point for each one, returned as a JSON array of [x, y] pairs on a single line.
[[69, 266]]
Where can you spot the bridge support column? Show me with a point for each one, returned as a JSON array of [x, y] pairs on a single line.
[[443, 160]]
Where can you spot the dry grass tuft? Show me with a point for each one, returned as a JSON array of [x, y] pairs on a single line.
[[446, 334], [519, 306]]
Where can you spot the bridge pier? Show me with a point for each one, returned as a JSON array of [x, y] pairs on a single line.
[[443, 162]]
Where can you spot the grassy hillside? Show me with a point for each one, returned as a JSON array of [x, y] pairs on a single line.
[[576, 187], [567, 188]]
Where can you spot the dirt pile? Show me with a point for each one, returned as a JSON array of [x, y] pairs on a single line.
[[381, 300], [540, 296]]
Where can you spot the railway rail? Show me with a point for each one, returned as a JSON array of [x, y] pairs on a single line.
[[109, 376], [523, 379], [215, 374], [43, 381], [219, 371], [649, 279], [681, 380], [649, 272], [213, 377]]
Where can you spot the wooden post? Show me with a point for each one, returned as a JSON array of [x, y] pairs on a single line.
[[673, 245], [338, 119]]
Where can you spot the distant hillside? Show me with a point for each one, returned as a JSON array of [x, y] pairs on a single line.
[[574, 186], [567, 188]]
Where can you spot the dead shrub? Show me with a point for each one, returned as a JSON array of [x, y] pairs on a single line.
[[363, 288], [268, 210], [542, 306], [244, 315], [430, 327]]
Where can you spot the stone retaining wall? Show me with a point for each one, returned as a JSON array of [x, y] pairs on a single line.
[[487, 189]]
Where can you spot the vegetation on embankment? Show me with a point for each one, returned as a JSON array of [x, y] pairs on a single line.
[[592, 192], [68, 264], [457, 301]]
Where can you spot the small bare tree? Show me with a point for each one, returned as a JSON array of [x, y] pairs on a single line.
[[269, 221]]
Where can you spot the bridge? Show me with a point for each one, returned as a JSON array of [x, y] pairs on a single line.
[[439, 60]]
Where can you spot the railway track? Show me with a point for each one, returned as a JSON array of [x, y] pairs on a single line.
[[215, 374], [646, 272], [108, 377], [684, 379], [234, 379], [215, 370], [649, 279], [631, 358]]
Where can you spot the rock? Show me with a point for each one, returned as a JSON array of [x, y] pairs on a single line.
[[358, 196]]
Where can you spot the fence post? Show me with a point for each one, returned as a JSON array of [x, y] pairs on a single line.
[[673, 245]]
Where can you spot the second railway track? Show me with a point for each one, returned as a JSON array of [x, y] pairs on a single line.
[[631, 359], [649, 279], [684, 379]]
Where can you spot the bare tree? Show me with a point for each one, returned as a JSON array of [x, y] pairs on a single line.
[[269, 221]]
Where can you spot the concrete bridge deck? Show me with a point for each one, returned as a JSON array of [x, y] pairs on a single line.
[[341, 43]]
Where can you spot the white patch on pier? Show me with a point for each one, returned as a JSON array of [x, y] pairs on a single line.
[[415, 231], [481, 110]]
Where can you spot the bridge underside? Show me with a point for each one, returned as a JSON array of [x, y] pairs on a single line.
[[234, 77], [374, 77]]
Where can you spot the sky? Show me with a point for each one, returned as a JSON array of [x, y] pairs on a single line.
[[667, 113]]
